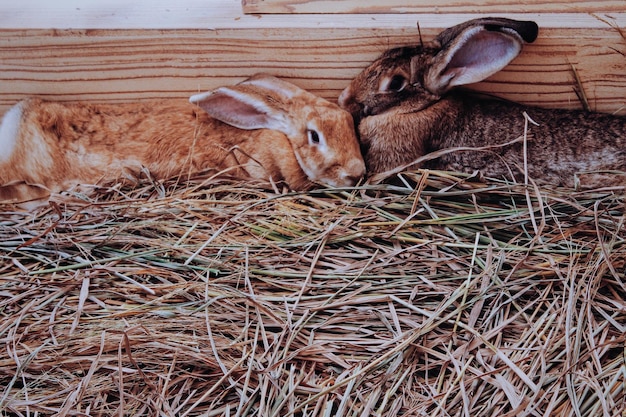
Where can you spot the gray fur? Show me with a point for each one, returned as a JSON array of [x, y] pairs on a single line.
[[399, 123]]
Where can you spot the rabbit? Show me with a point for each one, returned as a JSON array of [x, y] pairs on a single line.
[[263, 128], [406, 107]]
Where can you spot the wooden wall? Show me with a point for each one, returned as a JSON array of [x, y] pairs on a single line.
[[432, 6], [120, 52]]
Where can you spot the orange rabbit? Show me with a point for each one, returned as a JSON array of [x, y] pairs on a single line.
[[262, 128]]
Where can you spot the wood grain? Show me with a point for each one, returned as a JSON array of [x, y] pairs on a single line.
[[127, 65], [176, 49], [228, 14], [430, 6]]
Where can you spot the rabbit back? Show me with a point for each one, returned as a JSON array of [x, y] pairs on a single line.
[[59, 144], [560, 145], [488, 136]]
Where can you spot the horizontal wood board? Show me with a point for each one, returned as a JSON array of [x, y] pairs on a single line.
[[67, 52], [437, 6]]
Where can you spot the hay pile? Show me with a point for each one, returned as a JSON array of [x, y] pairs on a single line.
[[436, 296]]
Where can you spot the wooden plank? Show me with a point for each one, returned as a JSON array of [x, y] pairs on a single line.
[[228, 14], [430, 6], [147, 55]]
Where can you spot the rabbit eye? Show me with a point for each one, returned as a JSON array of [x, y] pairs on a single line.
[[314, 137], [396, 84]]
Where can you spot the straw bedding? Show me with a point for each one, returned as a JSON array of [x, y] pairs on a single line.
[[434, 294]]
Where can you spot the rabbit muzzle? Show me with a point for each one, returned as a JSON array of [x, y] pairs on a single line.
[[354, 172], [348, 174]]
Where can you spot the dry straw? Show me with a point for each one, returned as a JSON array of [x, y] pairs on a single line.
[[430, 295]]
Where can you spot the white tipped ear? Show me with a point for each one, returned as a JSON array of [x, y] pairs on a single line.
[[240, 108], [274, 84], [475, 54]]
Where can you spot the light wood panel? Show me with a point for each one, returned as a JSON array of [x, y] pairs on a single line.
[[228, 14], [176, 49], [431, 6]]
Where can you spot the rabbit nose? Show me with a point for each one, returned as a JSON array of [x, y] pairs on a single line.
[[354, 172]]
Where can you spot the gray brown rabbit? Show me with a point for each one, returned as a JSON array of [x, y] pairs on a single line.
[[263, 128], [405, 106]]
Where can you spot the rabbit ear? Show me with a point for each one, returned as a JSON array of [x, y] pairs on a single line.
[[243, 106], [527, 29], [277, 86], [476, 50]]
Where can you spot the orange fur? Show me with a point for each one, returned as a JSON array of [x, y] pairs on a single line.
[[60, 145]]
